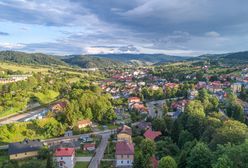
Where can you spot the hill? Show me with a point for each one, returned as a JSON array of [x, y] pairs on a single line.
[[85, 61], [29, 58], [145, 58], [227, 58]]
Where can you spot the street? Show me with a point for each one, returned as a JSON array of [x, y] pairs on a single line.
[[95, 161]]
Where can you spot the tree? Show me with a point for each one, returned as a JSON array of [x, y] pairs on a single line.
[[167, 162], [232, 131], [200, 156], [147, 147], [184, 137], [223, 162]]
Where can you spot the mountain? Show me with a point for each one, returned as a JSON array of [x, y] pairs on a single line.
[[227, 58], [85, 61], [27, 58], [145, 58]]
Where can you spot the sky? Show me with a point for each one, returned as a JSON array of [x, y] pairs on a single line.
[[174, 27]]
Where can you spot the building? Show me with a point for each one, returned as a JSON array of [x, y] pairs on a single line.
[[124, 134], [124, 154], [24, 149], [236, 87], [152, 135], [89, 147], [132, 100], [84, 123], [58, 107], [65, 157]]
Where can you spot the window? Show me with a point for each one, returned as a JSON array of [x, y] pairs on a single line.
[[61, 158], [121, 162], [60, 164], [16, 155], [121, 156], [127, 156], [25, 153], [128, 162]]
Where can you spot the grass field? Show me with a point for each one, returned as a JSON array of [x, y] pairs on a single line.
[[48, 97], [3, 157], [23, 68], [80, 153], [81, 165]]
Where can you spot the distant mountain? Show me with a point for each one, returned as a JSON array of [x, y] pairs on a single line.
[[27, 58], [85, 61], [227, 58], [139, 58]]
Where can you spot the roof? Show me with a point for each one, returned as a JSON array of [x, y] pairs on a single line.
[[83, 122], [124, 148], [64, 152], [149, 134], [154, 162], [125, 129], [87, 145], [24, 146], [133, 99]]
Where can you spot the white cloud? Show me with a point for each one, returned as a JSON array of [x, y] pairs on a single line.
[[8, 46], [212, 34]]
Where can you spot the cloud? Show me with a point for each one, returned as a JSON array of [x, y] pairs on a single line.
[[7, 46], [4, 34], [212, 34]]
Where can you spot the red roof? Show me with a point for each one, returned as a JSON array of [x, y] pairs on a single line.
[[133, 99], [154, 162], [89, 145], [125, 129], [84, 122], [64, 152], [124, 148], [149, 134]]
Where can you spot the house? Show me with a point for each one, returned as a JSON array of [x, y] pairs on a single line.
[[173, 115], [201, 85], [84, 123], [124, 154], [58, 107], [89, 147], [124, 134], [179, 105], [65, 157], [24, 149], [152, 135], [140, 107], [236, 87], [133, 100], [144, 125]]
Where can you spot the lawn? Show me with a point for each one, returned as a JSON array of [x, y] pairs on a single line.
[[81, 153], [24, 68], [3, 157], [110, 151], [105, 164], [47, 97], [81, 165]]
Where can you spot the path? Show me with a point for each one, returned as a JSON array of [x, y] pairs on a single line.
[[83, 159], [95, 161]]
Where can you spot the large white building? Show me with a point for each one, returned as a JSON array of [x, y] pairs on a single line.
[[65, 157]]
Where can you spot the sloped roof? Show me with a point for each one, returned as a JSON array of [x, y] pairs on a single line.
[[64, 152], [125, 129], [124, 148], [149, 134], [24, 146]]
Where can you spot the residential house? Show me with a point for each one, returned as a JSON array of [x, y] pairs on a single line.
[[58, 107], [124, 133], [84, 123], [144, 125], [236, 87], [24, 149], [152, 135], [124, 154], [154, 162], [140, 107], [65, 157], [179, 105]]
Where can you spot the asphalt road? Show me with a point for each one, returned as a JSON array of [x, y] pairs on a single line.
[[95, 161]]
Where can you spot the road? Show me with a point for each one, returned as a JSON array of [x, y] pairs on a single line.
[[95, 161], [20, 117], [71, 138]]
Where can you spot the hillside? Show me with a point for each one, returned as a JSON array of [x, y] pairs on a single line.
[[27, 58], [85, 61], [146, 58], [226, 58]]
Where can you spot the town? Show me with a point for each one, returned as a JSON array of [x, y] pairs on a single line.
[[152, 116]]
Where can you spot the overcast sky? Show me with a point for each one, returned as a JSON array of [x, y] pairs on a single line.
[[175, 27]]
